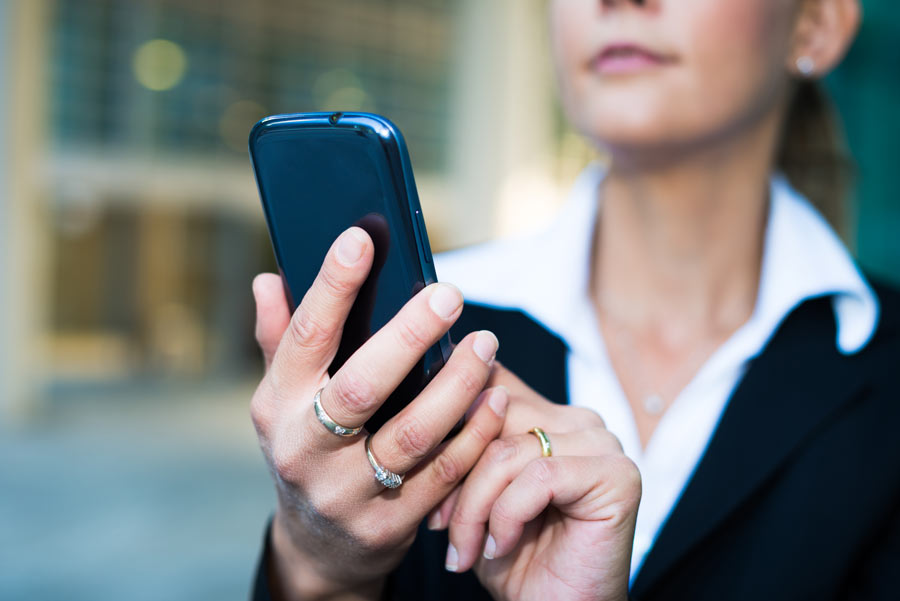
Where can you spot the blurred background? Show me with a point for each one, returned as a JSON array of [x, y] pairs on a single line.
[[130, 230]]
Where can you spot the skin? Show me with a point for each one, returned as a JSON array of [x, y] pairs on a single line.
[[339, 541], [330, 539], [678, 241], [675, 264]]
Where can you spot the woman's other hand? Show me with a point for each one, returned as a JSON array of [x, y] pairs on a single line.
[[337, 532], [534, 527]]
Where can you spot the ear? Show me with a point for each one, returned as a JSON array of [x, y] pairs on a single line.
[[823, 32]]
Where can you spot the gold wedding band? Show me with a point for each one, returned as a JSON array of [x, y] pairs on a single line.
[[546, 451]]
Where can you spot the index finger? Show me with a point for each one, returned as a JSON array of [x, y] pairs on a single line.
[[314, 332], [603, 489]]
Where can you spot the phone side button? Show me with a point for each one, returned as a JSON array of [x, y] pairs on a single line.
[[423, 240]]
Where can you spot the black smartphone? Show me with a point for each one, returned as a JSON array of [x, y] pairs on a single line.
[[321, 173]]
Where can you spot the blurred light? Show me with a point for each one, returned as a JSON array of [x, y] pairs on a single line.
[[349, 99], [177, 338], [236, 121], [529, 198], [159, 64], [77, 210], [74, 221], [340, 89]]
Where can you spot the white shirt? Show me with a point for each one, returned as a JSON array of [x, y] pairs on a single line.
[[546, 275]]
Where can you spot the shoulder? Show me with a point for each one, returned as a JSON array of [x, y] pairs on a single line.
[[875, 363], [889, 298], [884, 348]]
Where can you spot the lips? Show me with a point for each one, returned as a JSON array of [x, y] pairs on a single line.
[[623, 57]]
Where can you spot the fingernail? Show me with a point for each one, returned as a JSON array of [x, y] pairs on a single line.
[[434, 521], [485, 346], [350, 246], [499, 400], [452, 561], [490, 547], [445, 300]]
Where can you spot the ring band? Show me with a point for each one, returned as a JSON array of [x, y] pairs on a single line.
[[330, 424], [546, 451], [384, 476]]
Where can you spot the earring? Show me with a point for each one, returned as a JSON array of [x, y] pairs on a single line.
[[806, 65]]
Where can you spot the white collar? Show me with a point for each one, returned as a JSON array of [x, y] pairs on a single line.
[[546, 274]]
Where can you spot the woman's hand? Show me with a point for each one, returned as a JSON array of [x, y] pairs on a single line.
[[337, 532], [559, 527]]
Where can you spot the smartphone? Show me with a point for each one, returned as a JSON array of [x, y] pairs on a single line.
[[321, 173]]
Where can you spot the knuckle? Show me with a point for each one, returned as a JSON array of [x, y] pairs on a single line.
[[541, 471], [260, 414], [589, 417], [372, 533], [468, 383], [353, 392], [447, 468], [502, 512], [331, 505], [411, 335], [259, 336], [501, 451], [463, 515], [479, 434], [308, 331], [411, 438], [614, 441], [332, 281], [625, 478], [631, 476], [600, 439], [285, 463], [371, 537], [327, 503]]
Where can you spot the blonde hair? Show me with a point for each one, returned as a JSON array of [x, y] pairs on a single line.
[[814, 156]]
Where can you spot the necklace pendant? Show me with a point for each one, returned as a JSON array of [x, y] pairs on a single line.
[[654, 404]]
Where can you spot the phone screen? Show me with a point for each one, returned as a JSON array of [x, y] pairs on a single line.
[[317, 177]]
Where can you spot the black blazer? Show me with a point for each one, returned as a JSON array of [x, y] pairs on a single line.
[[797, 495]]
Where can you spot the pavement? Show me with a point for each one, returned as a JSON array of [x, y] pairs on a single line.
[[155, 495]]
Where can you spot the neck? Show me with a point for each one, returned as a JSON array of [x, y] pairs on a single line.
[[678, 243]]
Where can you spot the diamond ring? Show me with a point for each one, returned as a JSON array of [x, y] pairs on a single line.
[[385, 477], [330, 424]]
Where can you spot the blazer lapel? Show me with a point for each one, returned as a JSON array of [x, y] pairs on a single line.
[[790, 388]]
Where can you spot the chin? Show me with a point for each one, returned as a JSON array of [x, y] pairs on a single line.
[[639, 127], [651, 124]]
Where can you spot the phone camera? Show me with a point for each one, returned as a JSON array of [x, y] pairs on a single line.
[[333, 118]]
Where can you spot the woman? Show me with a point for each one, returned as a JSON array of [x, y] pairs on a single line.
[[687, 294]]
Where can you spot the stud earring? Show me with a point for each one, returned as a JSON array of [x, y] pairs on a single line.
[[806, 65]]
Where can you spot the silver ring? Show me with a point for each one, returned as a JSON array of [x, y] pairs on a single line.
[[330, 424], [385, 477]]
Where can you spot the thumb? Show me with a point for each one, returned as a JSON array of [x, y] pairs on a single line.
[[272, 313]]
